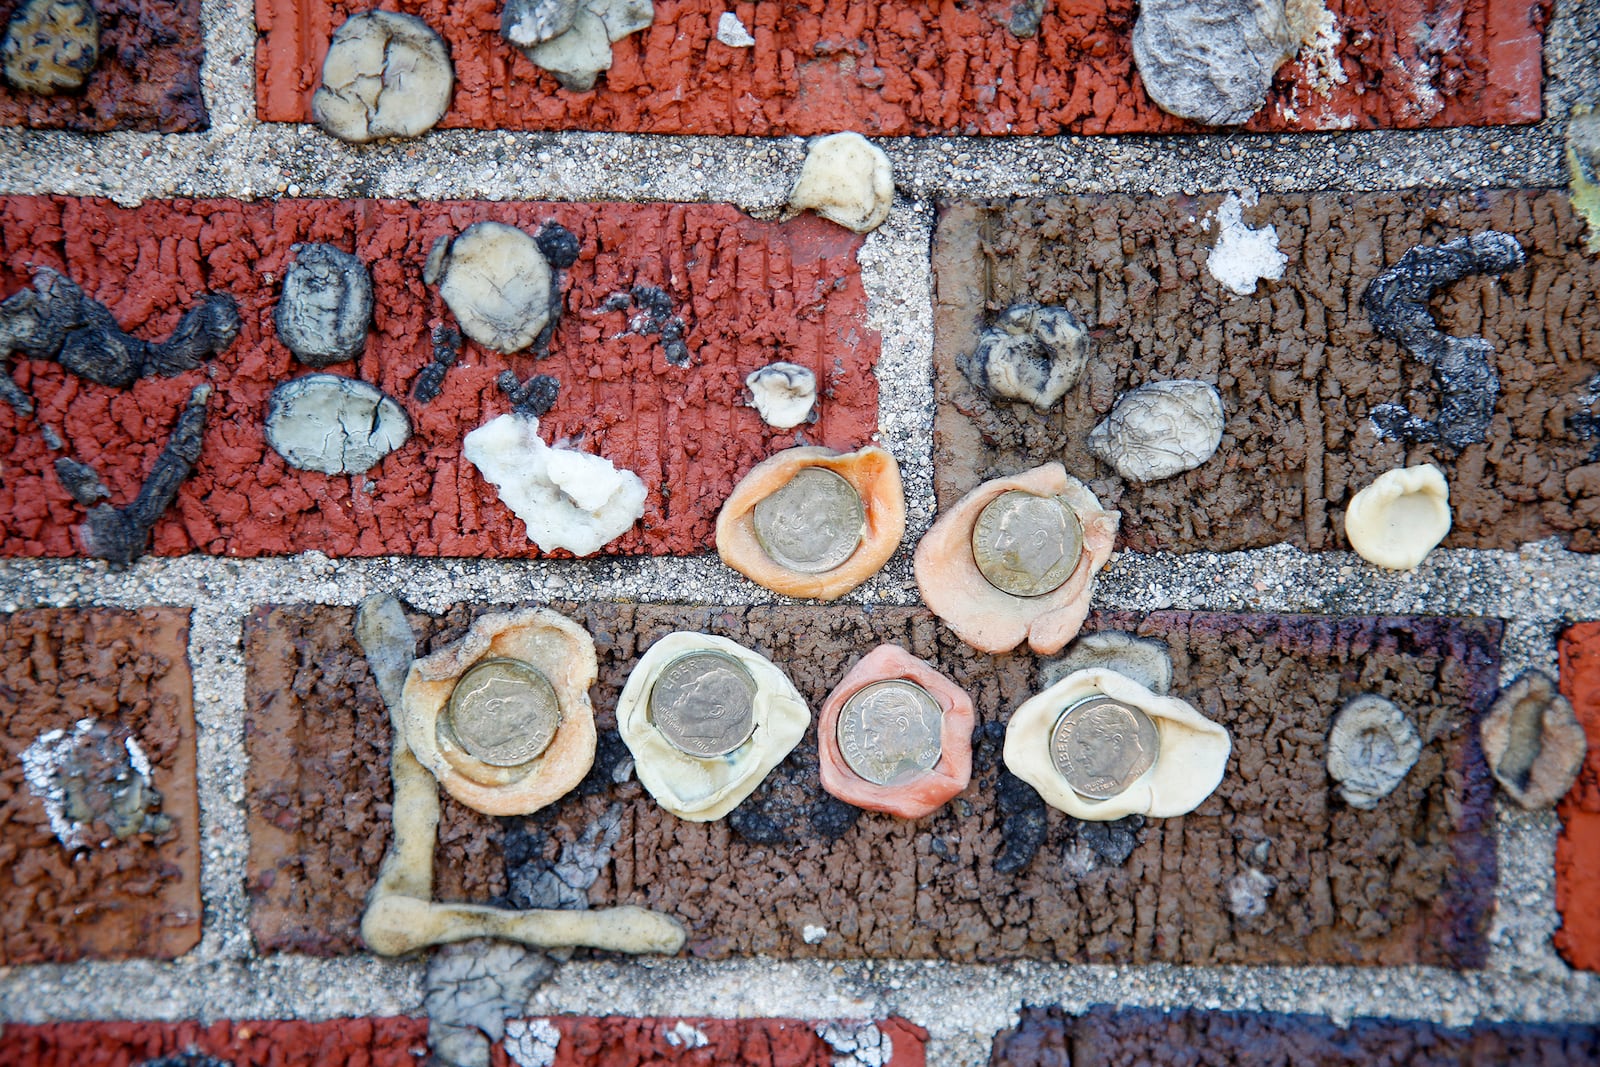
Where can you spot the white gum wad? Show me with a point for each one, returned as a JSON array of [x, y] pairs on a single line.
[[701, 790], [1192, 756], [987, 618]]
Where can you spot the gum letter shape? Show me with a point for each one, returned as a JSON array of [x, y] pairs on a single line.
[[1189, 765], [990, 619], [564, 652], [872, 472], [701, 790], [935, 787]]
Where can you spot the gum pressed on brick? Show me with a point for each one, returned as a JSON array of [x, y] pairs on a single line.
[[905, 68], [746, 291], [1300, 366], [72, 677], [1160, 1037], [881, 887]]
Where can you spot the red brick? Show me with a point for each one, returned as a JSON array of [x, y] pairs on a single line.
[[148, 76], [116, 898], [392, 1042], [911, 68], [750, 292], [1578, 848]]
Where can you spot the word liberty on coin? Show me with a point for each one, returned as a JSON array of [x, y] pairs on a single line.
[[503, 712], [890, 731], [1025, 544], [704, 704], [1101, 746], [813, 524]]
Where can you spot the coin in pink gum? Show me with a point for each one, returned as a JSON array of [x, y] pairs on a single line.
[[990, 619], [932, 789]]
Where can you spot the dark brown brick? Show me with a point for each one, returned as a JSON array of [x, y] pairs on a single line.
[[376, 1042], [114, 898], [1409, 882], [1298, 364], [1109, 1037]]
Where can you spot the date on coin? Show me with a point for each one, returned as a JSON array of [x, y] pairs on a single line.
[[1101, 746], [1025, 544], [890, 731], [813, 523], [502, 712], [703, 703]]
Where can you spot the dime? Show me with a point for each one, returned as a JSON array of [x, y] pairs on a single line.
[[704, 704], [1026, 544], [1101, 746], [813, 524], [889, 731], [503, 712]]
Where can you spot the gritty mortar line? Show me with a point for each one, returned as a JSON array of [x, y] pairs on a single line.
[[228, 73]]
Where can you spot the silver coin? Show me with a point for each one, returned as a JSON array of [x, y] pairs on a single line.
[[813, 523], [503, 712], [1026, 544], [1101, 746], [704, 704], [890, 731]]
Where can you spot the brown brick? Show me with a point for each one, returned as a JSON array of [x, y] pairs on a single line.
[[1298, 365], [148, 76], [377, 1042], [907, 68], [1105, 1036], [1409, 882], [749, 292], [623, 1041], [112, 898]]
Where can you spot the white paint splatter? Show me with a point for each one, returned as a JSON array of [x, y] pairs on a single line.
[[813, 935], [1243, 256], [41, 766], [731, 32], [682, 1035], [857, 1044], [532, 1042]]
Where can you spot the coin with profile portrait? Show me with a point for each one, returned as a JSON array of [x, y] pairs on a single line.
[[1026, 544], [502, 712], [811, 524], [1101, 746], [890, 731], [703, 703]]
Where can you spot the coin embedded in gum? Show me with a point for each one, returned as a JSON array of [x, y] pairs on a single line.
[[871, 472], [554, 646], [924, 793], [1191, 754], [990, 619], [701, 789]]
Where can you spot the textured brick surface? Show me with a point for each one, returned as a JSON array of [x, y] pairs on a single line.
[[1409, 882], [1108, 1037], [908, 68], [148, 76], [1578, 848], [138, 896], [749, 293], [620, 1041], [1298, 364], [333, 1043]]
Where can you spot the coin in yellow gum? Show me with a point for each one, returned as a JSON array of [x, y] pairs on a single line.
[[990, 619], [917, 795], [702, 789], [871, 472], [1192, 751], [555, 646]]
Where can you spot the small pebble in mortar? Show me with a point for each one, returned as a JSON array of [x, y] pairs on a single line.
[[1159, 430], [496, 281], [1533, 741], [385, 75], [1243, 255], [845, 179], [1211, 60], [1372, 746], [335, 425], [50, 46], [568, 499], [783, 394], [1032, 353], [326, 306], [1401, 517]]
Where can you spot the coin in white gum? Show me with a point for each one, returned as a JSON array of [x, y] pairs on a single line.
[[1191, 757], [1398, 519], [702, 789]]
